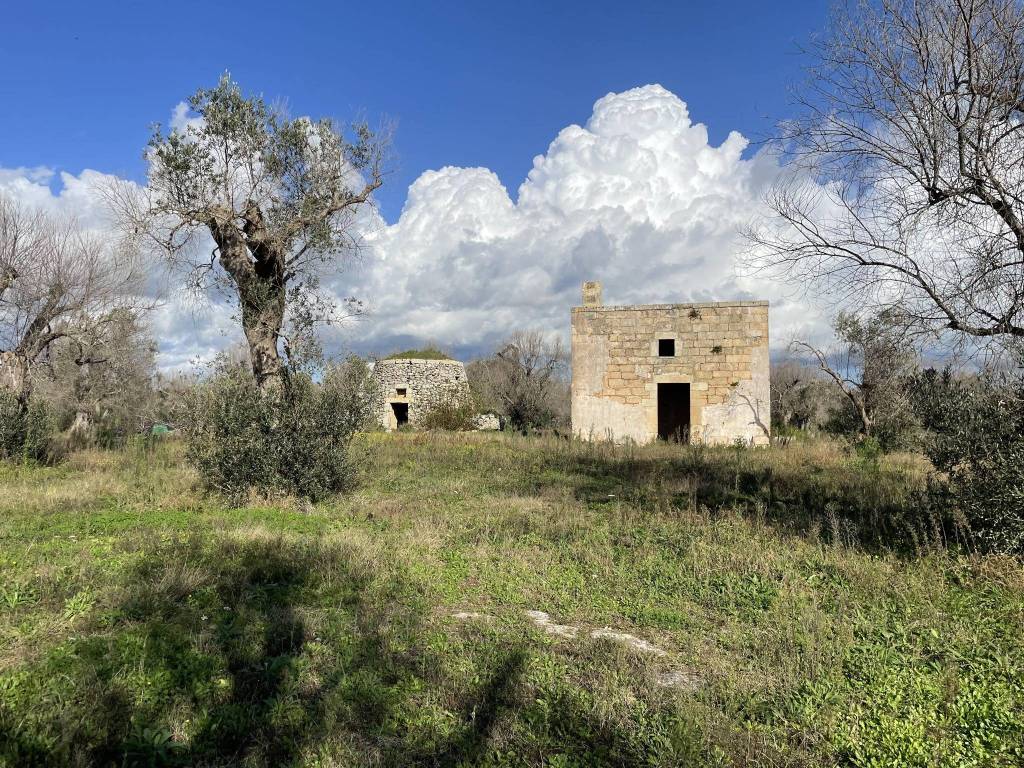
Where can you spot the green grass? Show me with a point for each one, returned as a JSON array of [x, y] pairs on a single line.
[[427, 353], [141, 624]]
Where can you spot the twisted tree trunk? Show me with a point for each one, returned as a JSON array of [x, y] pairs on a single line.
[[14, 376], [255, 264]]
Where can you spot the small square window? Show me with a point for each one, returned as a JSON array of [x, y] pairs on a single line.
[[400, 391], [666, 347]]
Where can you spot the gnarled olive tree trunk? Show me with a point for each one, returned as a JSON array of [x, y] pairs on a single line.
[[14, 375], [255, 263]]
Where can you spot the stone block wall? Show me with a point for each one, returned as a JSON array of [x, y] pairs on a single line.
[[421, 384], [720, 351]]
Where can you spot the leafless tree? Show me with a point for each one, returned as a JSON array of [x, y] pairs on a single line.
[[524, 380], [796, 394], [57, 281], [278, 197], [102, 377], [907, 183], [870, 368]]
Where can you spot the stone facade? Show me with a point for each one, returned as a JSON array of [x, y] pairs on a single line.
[[409, 387], [696, 372]]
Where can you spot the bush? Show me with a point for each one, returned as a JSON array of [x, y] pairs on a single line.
[[296, 442], [454, 413], [975, 435], [355, 392], [25, 432], [524, 382]]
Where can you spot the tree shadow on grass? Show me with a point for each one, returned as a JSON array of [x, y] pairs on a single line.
[[875, 509], [247, 651]]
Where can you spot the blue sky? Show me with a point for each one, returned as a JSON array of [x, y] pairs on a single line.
[[468, 84]]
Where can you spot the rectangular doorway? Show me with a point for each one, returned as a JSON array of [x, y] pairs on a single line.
[[674, 412], [401, 411]]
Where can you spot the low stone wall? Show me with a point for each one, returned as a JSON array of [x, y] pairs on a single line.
[[416, 386]]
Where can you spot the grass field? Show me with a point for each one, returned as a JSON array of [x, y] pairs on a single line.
[[143, 624]]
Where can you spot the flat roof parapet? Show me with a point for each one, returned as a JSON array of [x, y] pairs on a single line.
[[691, 305]]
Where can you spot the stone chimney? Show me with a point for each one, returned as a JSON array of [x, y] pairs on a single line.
[[592, 294]]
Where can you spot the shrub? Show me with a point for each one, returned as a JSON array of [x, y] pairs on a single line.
[[975, 435], [355, 392], [25, 432], [524, 382], [294, 442], [453, 413]]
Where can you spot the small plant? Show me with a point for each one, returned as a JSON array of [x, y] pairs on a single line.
[[694, 313], [869, 453], [717, 349], [152, 747]]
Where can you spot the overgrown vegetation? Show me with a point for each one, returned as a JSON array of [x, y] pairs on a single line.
[[975, 435], [295, 442], [145, 624], [454, 412], [525, 382], [25, 428], [425, 353]]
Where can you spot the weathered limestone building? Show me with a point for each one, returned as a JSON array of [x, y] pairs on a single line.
[[409, 387], [690, 372]]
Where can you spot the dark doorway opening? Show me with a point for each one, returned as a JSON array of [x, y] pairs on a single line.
[[401, 411], [674, 412]]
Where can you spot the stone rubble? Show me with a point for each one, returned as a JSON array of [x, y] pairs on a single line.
[[687, 679], [543, 620], [680, 679], [632, 641], [470, 616]]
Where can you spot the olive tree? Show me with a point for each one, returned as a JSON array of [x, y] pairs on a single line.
[[801, 397], [870, 367], [102, 379], [907, 191], [57, 281], [248, 200], [524, 380]]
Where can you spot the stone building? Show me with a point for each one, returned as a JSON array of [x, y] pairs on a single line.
[[691, 372], [408, 387]]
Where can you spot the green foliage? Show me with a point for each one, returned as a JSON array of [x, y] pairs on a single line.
[[524, 382], [354, 392], [25, 430], [453, 412], [145, 624], [293, 442], [427, 353], [869, 451], [975, 429]]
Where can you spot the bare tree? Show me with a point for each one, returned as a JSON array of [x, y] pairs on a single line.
[[870, 368], [56, 281], [524, 380], [103, 377], [279, 197], [799, 395], [907, 191]]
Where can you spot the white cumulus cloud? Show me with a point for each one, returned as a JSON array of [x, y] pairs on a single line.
[[636, 198]]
